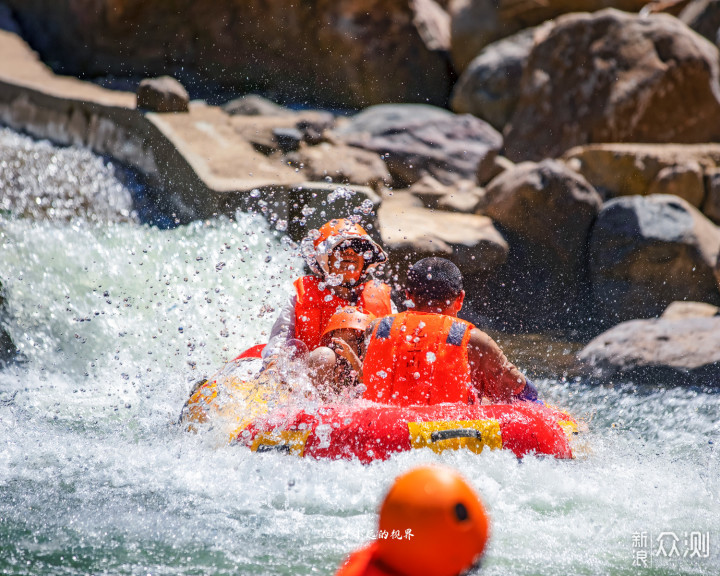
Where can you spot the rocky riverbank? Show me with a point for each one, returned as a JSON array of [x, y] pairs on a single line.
[[575, 183]]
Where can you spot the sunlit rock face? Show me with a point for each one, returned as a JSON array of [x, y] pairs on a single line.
[[642, 169], [615, 77], [658, 351], [476, 23], [347, 53]]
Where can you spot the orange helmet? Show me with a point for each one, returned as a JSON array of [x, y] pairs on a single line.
[[447, 525], [348, 318], [318, 246]]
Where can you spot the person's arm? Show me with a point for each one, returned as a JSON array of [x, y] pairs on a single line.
[[491, 373], [283, 329]]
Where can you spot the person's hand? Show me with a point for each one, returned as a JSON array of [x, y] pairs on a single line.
[[343, 349]]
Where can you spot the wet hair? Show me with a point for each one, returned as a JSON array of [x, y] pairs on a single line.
[[434, 279]]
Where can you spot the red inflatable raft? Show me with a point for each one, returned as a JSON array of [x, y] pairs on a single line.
[[368, 431]]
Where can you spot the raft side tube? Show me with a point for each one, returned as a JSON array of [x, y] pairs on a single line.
[[368, 432]]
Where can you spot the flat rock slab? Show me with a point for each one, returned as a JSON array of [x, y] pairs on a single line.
[[418, 140], [658, 351], [412, 232], [21, 66], [218, 148]]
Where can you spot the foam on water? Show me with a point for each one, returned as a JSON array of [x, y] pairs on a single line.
[[116, 321]]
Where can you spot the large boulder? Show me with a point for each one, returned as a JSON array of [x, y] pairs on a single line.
[[349, 53], [546, 212], [418, 140], [662, 351], [685, 170], [410, 232], [703, 16], [615, 77], [489, 87], [476, 23], [647, 251]]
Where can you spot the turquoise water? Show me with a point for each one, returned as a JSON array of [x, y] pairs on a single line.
[[116, 320]]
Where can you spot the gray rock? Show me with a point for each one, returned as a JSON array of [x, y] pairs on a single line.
[[648, 251], [418, 140], [490, 86], [684, 181], [254, 105], [163, 94], [660, 351], [546, 212], [288, 139]]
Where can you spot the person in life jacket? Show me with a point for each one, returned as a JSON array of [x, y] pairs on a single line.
[[342, 348], [341, 256], [431, 523], [427, 355]]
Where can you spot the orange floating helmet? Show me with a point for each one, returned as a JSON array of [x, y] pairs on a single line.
[[334, 233], [447, 524], [349, 318]]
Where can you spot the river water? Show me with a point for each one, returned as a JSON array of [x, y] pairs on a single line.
[[115, 320]]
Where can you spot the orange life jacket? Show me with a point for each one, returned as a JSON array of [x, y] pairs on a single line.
[[416, 358], [314, 306], [363, 562]]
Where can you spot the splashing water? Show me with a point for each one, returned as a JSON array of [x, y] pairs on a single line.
[[116, 321], [41, 181]]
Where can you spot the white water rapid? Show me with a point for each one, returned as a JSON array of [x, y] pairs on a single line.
[[116, 320]]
